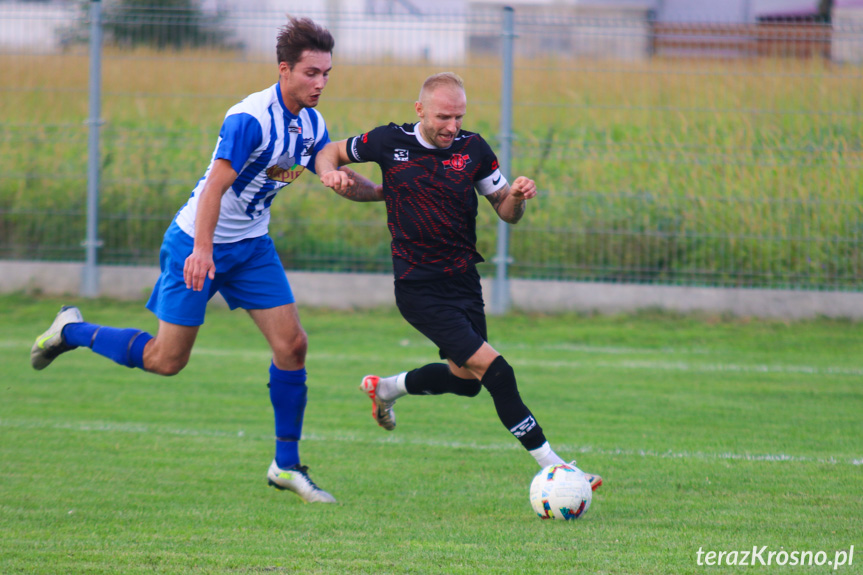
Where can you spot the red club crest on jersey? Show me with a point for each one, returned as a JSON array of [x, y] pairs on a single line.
[[457, 162]]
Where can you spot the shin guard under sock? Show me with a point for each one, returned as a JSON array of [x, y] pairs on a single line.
[[437, 379], [123, 345], [288, 394], [500, 382]]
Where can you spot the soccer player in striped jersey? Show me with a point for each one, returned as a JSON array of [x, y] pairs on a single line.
[[218, 242], [432, 171]]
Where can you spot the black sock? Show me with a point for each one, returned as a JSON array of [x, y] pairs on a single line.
[[500, 381], [436, 379]]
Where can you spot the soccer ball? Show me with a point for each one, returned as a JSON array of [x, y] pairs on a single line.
[[560, 492]]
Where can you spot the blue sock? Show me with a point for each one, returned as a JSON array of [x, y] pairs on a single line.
[[79, 334], [136, 350], [124, 346], [288, 395]]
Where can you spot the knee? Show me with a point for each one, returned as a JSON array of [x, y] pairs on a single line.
[[292, 352], [468, 387], [169, 366], [161, 362], [473, 389], [499, 378]]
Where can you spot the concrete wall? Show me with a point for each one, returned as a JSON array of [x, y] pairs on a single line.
[[354, 291]]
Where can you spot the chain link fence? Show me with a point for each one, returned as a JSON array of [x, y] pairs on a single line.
[[698, 153]]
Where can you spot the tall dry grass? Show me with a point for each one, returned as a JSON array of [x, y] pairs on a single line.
[[716, 172]]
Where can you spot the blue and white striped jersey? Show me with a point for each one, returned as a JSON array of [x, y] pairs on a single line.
[[269, 148]]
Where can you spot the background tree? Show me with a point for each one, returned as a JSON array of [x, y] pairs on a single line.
[[162, 24]]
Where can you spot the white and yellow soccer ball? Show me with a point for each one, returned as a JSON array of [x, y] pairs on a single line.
[[560, 492]]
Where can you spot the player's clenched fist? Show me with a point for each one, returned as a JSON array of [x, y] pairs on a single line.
[[338, 180], [523, 188]]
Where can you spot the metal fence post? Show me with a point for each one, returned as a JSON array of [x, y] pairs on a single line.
[[90, 274], [500, 300]]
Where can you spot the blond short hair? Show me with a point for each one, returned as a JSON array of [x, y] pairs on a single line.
[[443, 79]]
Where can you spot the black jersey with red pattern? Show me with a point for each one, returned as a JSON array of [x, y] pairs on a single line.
[[430, 197]]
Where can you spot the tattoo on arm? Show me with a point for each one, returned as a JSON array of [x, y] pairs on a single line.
[[497, 198], [358, 193], [363, 190]]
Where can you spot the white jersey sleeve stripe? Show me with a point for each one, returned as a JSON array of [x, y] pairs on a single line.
[[251, 171]]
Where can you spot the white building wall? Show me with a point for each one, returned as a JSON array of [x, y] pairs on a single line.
[[36, 27], [847, 42], [369, 29], [399, 38], [360, 34]]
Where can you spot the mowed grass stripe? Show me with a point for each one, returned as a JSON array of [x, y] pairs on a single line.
[[622, 364], [154, 429], [627, 364]]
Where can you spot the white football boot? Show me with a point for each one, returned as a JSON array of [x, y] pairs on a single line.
[[51, 344], [297, 479]]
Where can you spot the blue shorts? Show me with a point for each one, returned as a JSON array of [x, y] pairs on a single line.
[[450, 312], [249, 275]]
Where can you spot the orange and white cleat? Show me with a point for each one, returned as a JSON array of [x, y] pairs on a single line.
[[382, 410], [594, 480]]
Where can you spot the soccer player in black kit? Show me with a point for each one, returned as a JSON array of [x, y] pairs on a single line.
[[432, 171]]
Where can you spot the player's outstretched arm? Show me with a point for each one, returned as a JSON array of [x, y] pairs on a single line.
[[327, 163], [362, 190], [345, 182], [508, 202]]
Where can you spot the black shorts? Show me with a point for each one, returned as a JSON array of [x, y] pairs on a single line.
[[449, 311]]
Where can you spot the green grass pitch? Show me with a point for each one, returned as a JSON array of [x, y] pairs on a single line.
[[712, 434]]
